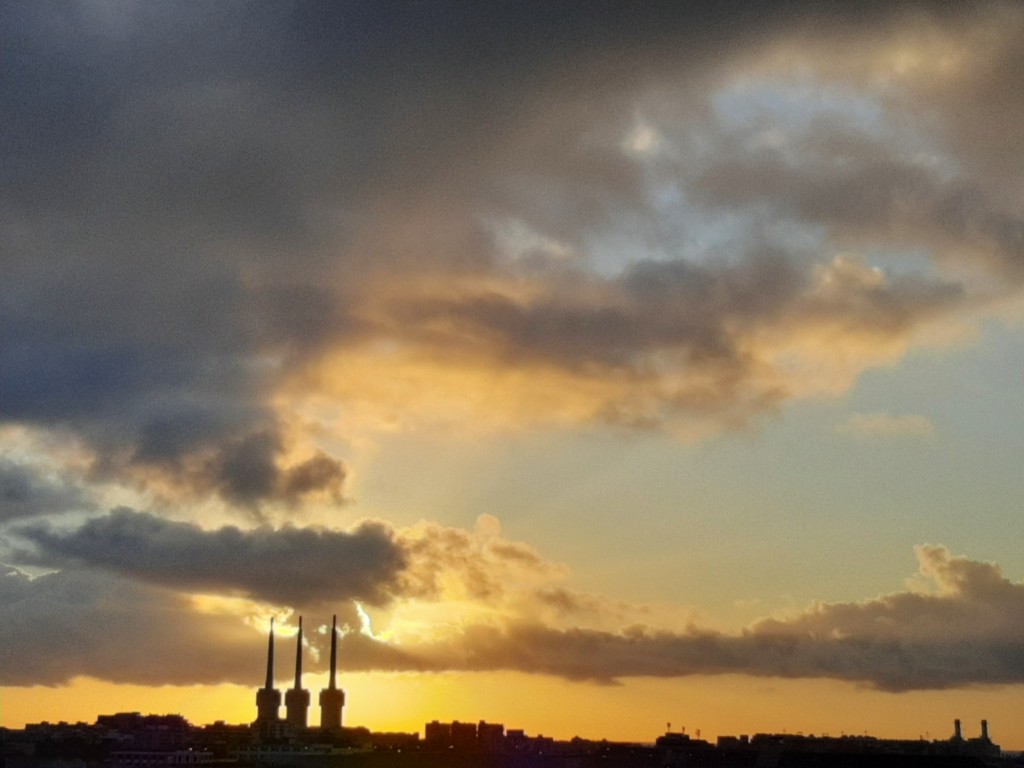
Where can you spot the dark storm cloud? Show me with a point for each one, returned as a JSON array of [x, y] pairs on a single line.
[[56, 627], [288, 566], [655, 305], [24, 492], [81, 622], [197, 201], [246, 471], [161, 269]]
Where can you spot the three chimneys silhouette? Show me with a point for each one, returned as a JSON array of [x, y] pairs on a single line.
[[296, 699]]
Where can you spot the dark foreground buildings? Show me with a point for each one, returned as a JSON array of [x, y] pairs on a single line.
[[132, 740]]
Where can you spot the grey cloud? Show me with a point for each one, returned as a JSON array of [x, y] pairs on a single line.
[[245, 468], [319, 473], [675, 315], [81, 622], [159, 404], [169, 431], [981, 102], [24, 492], [171, 222], [214, 196], [590, 321], [867, 192], [86, 622], [480, 567], [246, 471], [287, 566], [966, 632], [605, 657], [75, 622], [358, 651]]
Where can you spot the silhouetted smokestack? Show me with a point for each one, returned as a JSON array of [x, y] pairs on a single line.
[[984, 729], [269, 685], [268, 700], [298, 657], [332, 698], [334, 651], [296, 700], [956, 730]]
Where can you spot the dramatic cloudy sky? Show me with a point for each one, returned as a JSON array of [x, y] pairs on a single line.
[[599, 365]]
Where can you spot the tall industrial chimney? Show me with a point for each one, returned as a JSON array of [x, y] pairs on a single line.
[[268, 700], [296, 700], [984, 729], [957, 736], [332, 698]]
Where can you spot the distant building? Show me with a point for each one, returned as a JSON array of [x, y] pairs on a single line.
[[463, 735], [490, 736], [437, 735]]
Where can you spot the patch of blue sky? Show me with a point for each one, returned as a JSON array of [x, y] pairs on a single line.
[[973, 384], [775, 110], [682, 230], [674, 226], [676, 229], [901, 262], [796, 103]]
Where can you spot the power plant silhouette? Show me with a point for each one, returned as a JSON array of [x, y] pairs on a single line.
[[272, 738], [296, 699], [133, 740]]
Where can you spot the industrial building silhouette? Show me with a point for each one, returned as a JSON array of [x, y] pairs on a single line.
[[296, 699]]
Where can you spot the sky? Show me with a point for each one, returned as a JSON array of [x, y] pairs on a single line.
[[600, 365]]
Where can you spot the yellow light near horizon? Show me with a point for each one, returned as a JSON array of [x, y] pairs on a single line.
[[637, 710], [85, 698]]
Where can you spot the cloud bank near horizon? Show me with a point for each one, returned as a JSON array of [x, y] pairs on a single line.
[[959, 625]]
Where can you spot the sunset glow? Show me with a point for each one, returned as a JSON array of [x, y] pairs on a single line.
[[598, 366]]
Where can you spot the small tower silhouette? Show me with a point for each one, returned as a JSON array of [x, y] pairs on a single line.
[[268, 699], [332, 698], [296, 700]]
